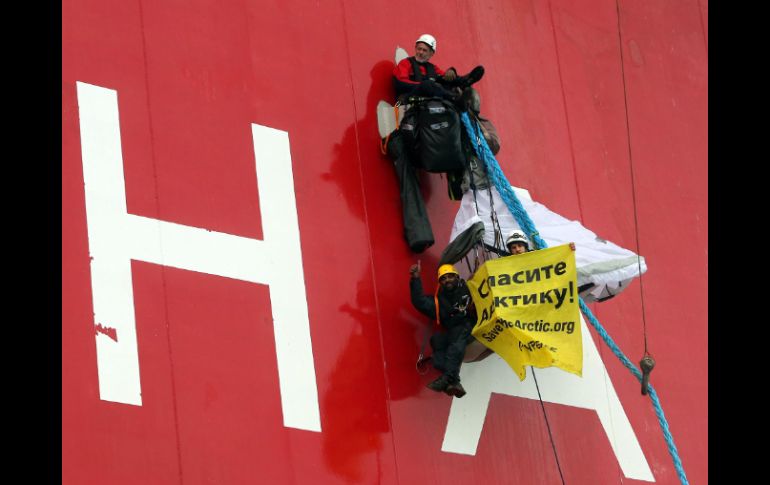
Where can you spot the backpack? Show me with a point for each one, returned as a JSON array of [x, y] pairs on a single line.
[[434, 133]]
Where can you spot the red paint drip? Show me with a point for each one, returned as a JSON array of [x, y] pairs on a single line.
[[108, 331]]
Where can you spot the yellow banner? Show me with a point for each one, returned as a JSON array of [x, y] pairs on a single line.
[[528, 311]]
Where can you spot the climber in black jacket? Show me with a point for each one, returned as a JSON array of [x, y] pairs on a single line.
[[456, 315]]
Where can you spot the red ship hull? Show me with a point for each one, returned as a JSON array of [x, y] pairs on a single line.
[[602, 115]]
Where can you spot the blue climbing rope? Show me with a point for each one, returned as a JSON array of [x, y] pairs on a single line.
[[497, 177]]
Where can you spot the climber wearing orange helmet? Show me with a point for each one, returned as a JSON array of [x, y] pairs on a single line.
[[456, 316]]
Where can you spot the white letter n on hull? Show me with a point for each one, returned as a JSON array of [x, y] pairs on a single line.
[[115, 237]]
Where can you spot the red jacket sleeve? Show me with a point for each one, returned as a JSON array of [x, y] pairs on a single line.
[[402, 71]]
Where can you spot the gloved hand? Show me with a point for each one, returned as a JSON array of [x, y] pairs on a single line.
[[414, 271]]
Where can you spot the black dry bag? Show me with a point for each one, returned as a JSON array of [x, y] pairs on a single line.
[[437, 143]]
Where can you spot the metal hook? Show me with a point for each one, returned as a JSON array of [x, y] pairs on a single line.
[[647, 364]]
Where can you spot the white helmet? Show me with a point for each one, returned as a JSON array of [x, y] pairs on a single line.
[[428, 39], [517, 235]]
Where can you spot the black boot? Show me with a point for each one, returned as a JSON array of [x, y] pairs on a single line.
[[472, 77], [440, 384], [455, 389]]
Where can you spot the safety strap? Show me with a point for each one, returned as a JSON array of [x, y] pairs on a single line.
[[435, 301]]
